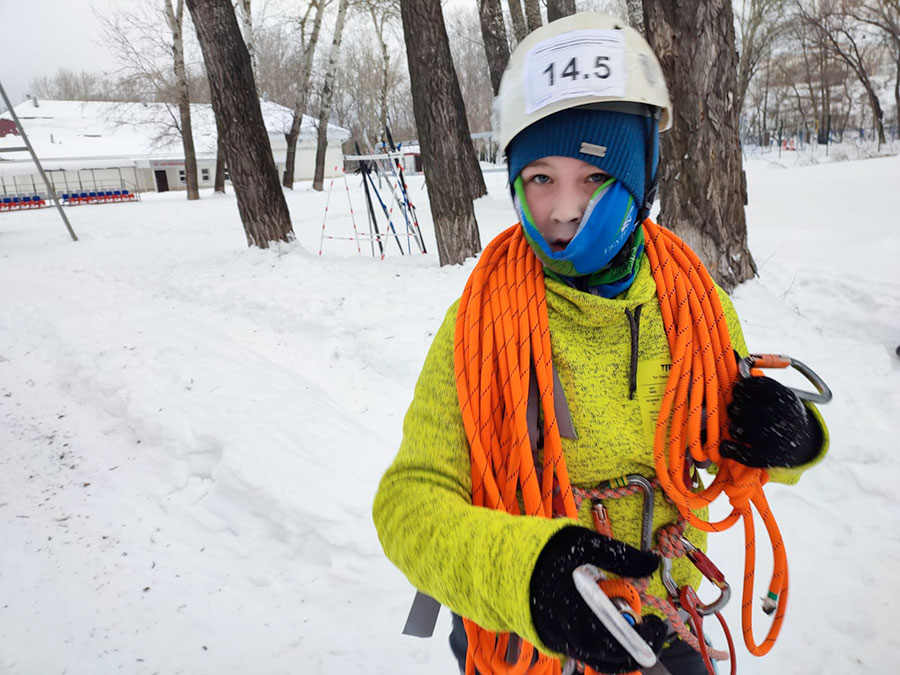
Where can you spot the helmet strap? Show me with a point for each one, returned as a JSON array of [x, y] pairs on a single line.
[[651, 175]]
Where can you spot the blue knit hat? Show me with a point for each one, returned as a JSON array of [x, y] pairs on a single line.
[[620, 137]]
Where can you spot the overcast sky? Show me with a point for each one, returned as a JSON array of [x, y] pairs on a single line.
[[39, 37]]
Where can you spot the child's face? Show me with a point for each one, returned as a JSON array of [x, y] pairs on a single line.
[[558, 190]]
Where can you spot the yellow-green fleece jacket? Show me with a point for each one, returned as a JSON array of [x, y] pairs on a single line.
[[478, 561]]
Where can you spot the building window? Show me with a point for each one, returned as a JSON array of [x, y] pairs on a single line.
[[204, 173], [181, 176]]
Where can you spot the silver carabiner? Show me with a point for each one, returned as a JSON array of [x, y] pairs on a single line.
[[586, 578], [746, 364]]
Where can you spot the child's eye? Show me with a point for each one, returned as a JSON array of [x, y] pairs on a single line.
[[540, 178], [597, 177]]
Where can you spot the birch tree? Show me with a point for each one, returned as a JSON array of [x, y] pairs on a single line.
[[325, 99], [175, 19], [245, 12], [303, 77]]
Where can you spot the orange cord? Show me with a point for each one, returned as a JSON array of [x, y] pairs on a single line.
[[502, 328]]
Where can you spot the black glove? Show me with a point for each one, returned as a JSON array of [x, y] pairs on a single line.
[[563, 620], [771, 427]]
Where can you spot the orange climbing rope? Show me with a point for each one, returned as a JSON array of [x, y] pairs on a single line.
[[502, 329], [702, 375]]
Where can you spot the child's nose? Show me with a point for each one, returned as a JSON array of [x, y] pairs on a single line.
[[570, 205]]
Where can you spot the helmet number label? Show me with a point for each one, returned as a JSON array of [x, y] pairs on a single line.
[[576, 63]]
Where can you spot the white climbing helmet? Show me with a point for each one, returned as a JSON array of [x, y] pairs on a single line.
[[586, 59]]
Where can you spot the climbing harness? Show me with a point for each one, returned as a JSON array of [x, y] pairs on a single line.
[[672, 544]]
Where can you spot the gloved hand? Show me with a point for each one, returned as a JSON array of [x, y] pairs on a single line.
[[563, 620], [771, 427]]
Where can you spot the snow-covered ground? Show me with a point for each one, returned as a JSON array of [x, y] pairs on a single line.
[[191, 431]]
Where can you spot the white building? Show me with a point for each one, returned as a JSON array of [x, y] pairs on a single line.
[[94, 145]]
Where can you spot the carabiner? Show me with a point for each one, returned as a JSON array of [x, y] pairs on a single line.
[[586, 578], [748, 363], [709, 571]]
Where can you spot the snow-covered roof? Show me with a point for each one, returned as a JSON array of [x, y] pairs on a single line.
[[68, 130]]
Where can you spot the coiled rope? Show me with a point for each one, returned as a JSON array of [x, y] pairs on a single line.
[[502, 329]]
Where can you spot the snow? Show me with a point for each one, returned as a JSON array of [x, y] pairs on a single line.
[[193, 430]]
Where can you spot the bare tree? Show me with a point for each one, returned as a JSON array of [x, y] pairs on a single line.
[[239, 119], [325, 99], [494, 38], [245, 12], [175, 19], [68, 85], [493, 34], [759, 25], [520, 29], [533, 15], [443, 132], [635, 11], [302, 96], [464, 35], [851, 45], [366, 104], [702, 187], [382, 12], [219, 184], [884, 15], [556, 9], [139, 38]]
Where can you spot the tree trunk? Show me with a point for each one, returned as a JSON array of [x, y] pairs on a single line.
[[556, 9], [533, 15], [518, 19], [327, 95], [493, 34], [439, 113], [385, 73], [243, 7], [302, 97], [702, 185], [877, 114], [897, 96], [175, 18], [635, 9], [219, 185], [239, 119]]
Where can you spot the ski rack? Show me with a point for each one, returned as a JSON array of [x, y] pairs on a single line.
[[408, 229]]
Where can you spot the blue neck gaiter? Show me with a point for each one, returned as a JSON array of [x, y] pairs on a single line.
[[607, 224]]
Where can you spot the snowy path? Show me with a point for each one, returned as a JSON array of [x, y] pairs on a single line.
[[192, 432]]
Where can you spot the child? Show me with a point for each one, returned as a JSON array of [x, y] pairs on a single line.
[[480, 507]]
